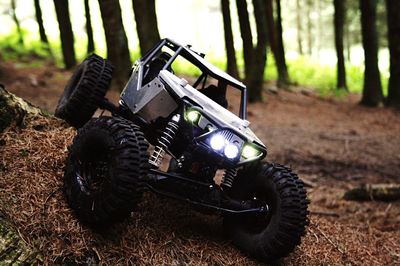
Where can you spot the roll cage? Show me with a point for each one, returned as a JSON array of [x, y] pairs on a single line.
[[198, 60]]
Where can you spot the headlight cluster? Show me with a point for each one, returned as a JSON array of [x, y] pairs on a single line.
[[219, 143], [224, 141]]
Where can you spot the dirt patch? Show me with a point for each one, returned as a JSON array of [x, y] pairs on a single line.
[[333, 144]]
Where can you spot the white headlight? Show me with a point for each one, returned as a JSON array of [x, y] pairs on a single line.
[[217, 142], [231, 151]]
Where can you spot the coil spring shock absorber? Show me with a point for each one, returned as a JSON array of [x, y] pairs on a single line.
[[165, 141], [229, 177]]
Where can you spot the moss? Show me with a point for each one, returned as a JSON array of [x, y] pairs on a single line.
[[6, 114], [13, 250], [14, 109]]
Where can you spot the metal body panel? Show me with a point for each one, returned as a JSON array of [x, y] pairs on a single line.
[[153, 101], [210, 109]]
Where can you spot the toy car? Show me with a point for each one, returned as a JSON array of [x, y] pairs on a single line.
[[264, 205]]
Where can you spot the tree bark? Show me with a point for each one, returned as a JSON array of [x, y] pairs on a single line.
[[339, 21], [372, 91], [15, 18], [146, 24], [117, 42], [393, 20], [232, 68], [299, 27], [283, 75], [39, 20], [66, 34], [89, 29], [247, 37]]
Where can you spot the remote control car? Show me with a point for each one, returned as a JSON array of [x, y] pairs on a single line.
[[211, 158]]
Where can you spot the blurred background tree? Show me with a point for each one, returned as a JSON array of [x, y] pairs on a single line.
[[89, 29], [372, 92], [328, 45], [117, 42], [146, 24], [393, 18], [339, 21], [66, 34]]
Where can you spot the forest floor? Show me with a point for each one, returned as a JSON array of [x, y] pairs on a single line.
[[334, 144]]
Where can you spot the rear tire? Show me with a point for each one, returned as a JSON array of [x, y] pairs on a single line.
[[274, 235], [105, 170], [84, 91]]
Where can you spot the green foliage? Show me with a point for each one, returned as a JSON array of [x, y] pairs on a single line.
[[306, 72], [303, 70], [33, 48], [12, 49]]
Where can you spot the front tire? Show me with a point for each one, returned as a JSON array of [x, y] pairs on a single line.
[[84, 91], [107, 163], [274, 235]]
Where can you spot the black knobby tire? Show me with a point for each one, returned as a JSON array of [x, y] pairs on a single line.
[[276, 234], [84, 91], [105, 171]]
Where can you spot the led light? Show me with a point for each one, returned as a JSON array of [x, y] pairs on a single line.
[[231, 151], [249, 152], [193, 116], [217, 142]]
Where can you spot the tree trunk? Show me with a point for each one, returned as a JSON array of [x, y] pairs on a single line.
[[14, 109], [146, 24], [117, 42], [232, 68], [13, 250], [309, 7], [14, 17], [89, 29], [383, 192], [283, 75], [39, 20], [276, 41], [393, 19], [269, 15], [66, 34], [348, 42], [256, 77], [372, 91], [319, 27], [247, 38], [339, 20], [299, 27]]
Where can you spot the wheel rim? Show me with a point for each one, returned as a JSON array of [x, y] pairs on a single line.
[[257, 223], [93, 163], [92, 175]]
